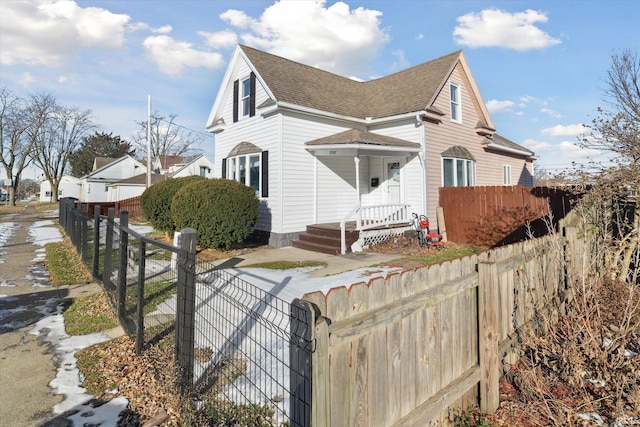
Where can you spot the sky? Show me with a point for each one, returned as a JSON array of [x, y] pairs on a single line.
[[540, 65]]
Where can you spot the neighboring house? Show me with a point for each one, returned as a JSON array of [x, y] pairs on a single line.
[[69, 186], [321, 148], [194, 165], [132, 187], [95, 185], [135, 186], [164, 164]]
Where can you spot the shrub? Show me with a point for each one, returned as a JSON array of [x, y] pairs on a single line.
[[222, 211], [156, 201]]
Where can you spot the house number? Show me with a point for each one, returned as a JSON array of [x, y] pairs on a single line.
[[332, 152]]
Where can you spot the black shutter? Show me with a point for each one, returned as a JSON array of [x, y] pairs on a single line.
[[224, 168], [236, 85], [252, 95], [265, 174]]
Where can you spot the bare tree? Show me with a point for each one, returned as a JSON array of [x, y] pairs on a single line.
[[58, 131], [612, 207], [167, 137], [15, 144]]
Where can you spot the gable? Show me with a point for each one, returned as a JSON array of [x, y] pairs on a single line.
[[291, 84]]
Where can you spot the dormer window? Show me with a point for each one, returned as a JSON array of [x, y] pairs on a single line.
[[456, 111]]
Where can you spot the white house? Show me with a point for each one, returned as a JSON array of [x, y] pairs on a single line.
[[185, 166], [195, 165], [323, 149], [69, 186], [95, 185]]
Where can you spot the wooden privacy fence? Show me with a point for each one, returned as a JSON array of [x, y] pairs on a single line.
[[495, 216], [408, 349]]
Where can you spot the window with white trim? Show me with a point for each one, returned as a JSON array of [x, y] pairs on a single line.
[[456, 111], [246, 169], [245, 97], [458, 172], [506, 174]]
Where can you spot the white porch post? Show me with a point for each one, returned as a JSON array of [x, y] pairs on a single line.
[[356, 159]]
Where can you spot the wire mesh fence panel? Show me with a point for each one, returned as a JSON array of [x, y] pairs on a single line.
[[242, 338], [151, 279]]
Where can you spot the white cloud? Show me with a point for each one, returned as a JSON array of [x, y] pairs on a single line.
[[226, 39], [237, 18], [401, 62], [172, 56], [420, 36], [495, 106], [335, 38], [571, 150], [551, 113], [47, 32], [537, 146], [143, 26], [498, 28], [26, 79], [564, 131]]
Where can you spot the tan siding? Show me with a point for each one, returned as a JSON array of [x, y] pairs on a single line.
[[441, 136]]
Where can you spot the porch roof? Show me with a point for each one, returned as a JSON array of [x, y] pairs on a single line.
[[355, 141]]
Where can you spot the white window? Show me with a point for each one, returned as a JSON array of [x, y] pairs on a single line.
[[456, 112], [506, 174], [458, 172], [246, 169], [245, 96]]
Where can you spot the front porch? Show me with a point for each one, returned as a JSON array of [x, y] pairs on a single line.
[[338, 237]]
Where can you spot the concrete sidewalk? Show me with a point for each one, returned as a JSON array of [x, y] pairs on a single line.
[[336, 264]]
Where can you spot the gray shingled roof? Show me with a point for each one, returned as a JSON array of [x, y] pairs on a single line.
[[100, 162], [403, 92], [504, 142], [356, 136], [142, 179]]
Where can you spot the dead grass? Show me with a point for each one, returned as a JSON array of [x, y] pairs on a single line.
[[583, 364]]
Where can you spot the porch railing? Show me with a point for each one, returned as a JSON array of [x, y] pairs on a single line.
[[368, 217]]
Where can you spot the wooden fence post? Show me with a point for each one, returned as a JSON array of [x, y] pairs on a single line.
[[571, 253], [106, 272], [95, 267], [303, 315], [121, 286], [321, 401], [488, 304], [186, 307]]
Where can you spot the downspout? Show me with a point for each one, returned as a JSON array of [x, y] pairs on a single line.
[[423, 154]]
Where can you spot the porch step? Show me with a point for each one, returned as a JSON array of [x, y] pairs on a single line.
[[324, 238]]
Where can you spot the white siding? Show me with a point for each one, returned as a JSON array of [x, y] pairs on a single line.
[[335, 179], [69, 187], [412, 176]]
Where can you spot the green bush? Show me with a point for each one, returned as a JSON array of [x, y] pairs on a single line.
[[222, 211], [156, 201]]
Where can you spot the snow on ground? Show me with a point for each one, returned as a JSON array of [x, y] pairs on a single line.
[[68, 378], [6, 231], [43, 232], [267, 373]]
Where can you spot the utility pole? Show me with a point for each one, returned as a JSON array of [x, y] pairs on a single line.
[[149, 141]]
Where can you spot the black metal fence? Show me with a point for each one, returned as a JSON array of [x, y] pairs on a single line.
[[240, 349]]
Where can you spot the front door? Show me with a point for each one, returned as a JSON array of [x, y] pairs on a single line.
[[393, 183]]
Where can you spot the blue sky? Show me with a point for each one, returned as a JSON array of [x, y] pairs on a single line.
[[540, 65]]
